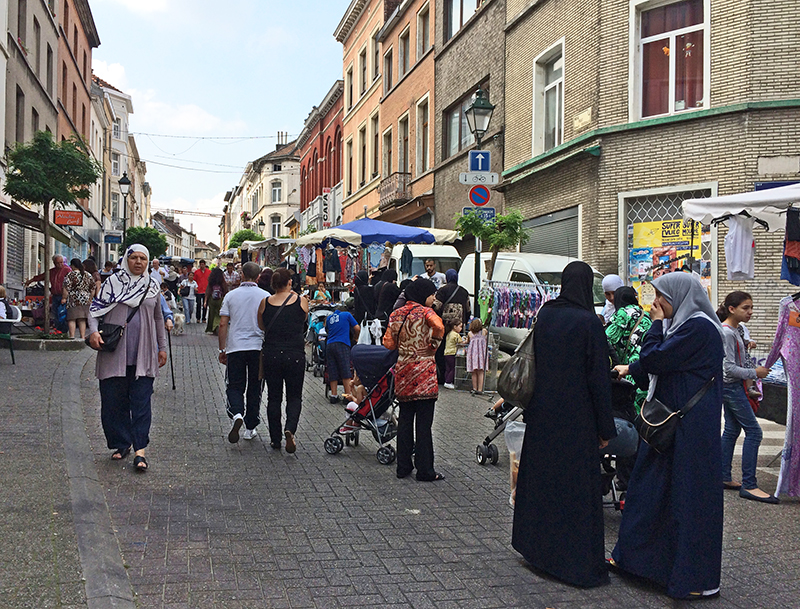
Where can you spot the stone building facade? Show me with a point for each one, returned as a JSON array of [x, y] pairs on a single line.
[[624, 108]]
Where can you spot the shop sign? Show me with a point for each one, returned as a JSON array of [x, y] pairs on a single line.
[[113, 237], [68, 218], [326, 194]]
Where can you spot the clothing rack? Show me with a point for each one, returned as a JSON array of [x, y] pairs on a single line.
[[758, 221], [516, 304]]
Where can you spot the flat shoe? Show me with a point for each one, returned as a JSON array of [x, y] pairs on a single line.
[[120, 454], [139, 464], [290, 445], [745, 494], [730, 486]]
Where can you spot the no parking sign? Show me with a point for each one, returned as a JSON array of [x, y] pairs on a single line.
[[479, 195]]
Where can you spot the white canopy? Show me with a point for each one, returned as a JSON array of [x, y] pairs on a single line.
[[766, 205], [443, 235], [254, 245]]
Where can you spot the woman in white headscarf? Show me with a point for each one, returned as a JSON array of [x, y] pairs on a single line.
[[129, 298], [610, 285], [671, 530]]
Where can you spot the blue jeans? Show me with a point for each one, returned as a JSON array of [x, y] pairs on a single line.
[[739, 415]]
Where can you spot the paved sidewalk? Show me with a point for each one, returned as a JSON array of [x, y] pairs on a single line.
[[242, 526]]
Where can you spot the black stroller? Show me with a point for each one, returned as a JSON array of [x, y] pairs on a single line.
[[376, 413], [316, 337], [623, 395]]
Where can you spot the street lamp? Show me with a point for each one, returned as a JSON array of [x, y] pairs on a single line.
[[479, 115], [261, 225], [125, 189]]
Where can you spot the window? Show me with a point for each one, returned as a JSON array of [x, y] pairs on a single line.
[[115, 205], [20, 116], [84, 66], [22, 21], [362, 157], [254, 202], [277, 188], [49, 71], [457, 135], [74, 115], [349, 158], [66, 16], [458, 12], [387, 153], [348, 83], [376, 146], [83, 120], [376, 56], [402, 134], [671, 52], [34, 120], [404, 59], [423, 137], [116, 129], [115, 164], [423, 31], [275, 222], [276, 168], [388, 60], [75, 40], [548, 104], [37, 47], [362, 70], [64, 83]]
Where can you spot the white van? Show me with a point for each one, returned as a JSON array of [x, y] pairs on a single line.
[[445, 257], [542, 269]]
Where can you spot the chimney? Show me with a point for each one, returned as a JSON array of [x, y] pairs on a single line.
[[389, 7]]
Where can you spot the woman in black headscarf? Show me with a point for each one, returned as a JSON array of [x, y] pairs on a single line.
[[386, 294], [364, 298], [558, 515]]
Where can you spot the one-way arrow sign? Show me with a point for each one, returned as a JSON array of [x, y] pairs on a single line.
[[480, 160]]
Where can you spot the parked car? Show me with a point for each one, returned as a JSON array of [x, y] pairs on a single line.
[[542, 269], [445, 257]]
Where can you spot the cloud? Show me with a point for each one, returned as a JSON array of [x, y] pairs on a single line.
[[151, 115], [112, 73], [205, 228]]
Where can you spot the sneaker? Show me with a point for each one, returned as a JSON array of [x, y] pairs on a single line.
[[290, 445], [249, 434], [233, 436], [334, 399], [449, 386]]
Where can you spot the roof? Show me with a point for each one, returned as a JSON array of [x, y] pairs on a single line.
[[350, 18], [168, 225], [285, 152], [104, 84], [87, 22], [318, 112]]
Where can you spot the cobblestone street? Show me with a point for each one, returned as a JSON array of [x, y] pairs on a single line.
[[243, 526]]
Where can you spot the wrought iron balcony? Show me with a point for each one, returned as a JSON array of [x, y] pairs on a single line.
[[395, 190]]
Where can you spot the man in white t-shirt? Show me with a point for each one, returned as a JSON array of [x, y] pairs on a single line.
[[438, 279], [157, 273], [240, 341]]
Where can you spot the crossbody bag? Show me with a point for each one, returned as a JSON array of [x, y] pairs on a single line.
[[113, 333]]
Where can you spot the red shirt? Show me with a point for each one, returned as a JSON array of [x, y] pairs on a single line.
[[57, 276], [202, 279]]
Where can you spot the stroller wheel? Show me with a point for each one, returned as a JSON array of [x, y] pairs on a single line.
[[386, 455], [481, 454], [333, 445], [355, 435], [494, 454], [347, 440]]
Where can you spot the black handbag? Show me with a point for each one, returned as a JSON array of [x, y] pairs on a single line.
[[185, 290], [112, 333], [518, 377], [657, 422]]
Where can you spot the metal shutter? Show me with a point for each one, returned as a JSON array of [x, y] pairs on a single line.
[[555, 233], [15, 251]]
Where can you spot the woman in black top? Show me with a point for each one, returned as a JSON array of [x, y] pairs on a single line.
[[387, 295], [364, 298], [283, 355]]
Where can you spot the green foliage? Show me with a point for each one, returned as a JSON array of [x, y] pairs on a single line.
[[154, 241], [309, 229], [43, 171], [501, 233], [241, 236]]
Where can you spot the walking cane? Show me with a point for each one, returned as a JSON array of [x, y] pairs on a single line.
[[171, 368]]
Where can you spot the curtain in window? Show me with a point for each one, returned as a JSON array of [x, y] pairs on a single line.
[[655, 77], [689, 71]]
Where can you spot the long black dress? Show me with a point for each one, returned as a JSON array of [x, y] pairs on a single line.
[[558, 516]]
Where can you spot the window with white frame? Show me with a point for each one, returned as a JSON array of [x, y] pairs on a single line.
[[254, 202], [115, 164], [457, 13], [115, 205], [362, 71], [376, 56], [423, 31], [348, 85], [376, 145], [403, 163], [457, 135], [116, 129], [362, 156], [387, 152], [404, 57], [388, 61], [277, 188], [423, 136], [548, 105], [671, 55], [349, 161], [275, 226]]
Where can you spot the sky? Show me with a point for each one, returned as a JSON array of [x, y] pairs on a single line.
[[238, 69]]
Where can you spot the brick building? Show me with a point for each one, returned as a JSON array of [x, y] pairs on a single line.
[[319, 148], [621, 110], [470, 54], [407, 110]]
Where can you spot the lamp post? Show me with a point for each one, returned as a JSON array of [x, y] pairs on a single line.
[[125, 189], [261, 225], [479, 115]]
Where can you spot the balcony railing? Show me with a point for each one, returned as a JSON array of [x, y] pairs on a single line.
[[395, 190]]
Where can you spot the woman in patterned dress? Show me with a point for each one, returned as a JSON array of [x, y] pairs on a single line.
[[416, 331], [78, 291]]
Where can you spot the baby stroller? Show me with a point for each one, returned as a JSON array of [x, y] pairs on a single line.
[[487, 452], [623, 395], [376, 413], [316, 337]]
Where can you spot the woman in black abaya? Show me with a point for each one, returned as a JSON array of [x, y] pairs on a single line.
[[558, 515]]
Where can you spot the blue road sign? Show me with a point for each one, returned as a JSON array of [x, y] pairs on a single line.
[[480, 160], [486, 213], [479, 195]]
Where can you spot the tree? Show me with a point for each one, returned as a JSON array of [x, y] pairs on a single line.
[[241, 236], [154, 241], [43, 172], [501, 233]]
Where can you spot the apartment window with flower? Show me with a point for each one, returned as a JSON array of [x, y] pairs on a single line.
[[671, 53]]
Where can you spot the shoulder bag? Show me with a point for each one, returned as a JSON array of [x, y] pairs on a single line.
[[112, 333], [518, 377], [185, 290], [450, 312], [657, 422]]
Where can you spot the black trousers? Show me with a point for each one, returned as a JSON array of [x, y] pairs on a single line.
[[416, 417], [125, 410], [241, 376], [200, 308], [284, 367]]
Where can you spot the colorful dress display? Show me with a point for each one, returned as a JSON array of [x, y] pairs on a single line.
[[787, 346]]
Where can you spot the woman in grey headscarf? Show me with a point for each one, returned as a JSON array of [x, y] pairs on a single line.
[[671, 530], [610, 285]]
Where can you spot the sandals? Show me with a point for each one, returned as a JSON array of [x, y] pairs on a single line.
[[140, 464], [120, 454]]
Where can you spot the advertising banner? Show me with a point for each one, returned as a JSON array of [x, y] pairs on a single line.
[[68, 218]]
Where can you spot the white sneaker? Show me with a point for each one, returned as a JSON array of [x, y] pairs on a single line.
[[233, 435], [449, 386], [249, 434]]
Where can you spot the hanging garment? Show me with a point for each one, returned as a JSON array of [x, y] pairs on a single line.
[[740, 248], [793, 224], [406, 260], [343, 265], [375, 252], [787, 347], [320, 262], [331, 263], [789, 270]]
